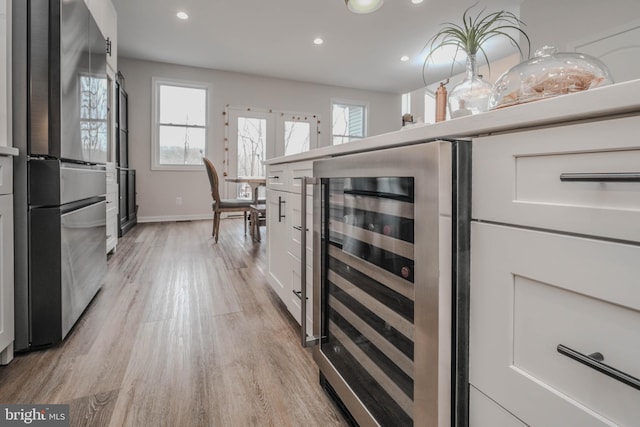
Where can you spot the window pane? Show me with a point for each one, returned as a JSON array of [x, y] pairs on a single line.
[[340, 119], [251, 146], [181, 145], [356, 121], [183, 105], [296, 137], [93, 118], [348, 122]]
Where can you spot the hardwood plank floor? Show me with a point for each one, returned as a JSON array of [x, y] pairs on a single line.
[[184, 332]]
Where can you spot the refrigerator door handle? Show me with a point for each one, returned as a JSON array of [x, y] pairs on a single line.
[[305, 340]]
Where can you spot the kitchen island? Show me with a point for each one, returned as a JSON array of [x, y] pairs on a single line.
[[554, 232]]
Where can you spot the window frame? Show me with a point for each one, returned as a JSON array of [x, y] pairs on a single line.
[[157, 82], [365, 118]]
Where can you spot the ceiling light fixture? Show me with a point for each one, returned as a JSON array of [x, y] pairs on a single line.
[[404, 58], [416, 1], [318, 41], [182, 15], [363, 6]]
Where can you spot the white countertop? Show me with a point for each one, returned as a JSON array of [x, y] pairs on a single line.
[[8, 151], [609, 100]]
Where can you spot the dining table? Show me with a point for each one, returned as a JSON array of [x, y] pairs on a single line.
[[254, 182]]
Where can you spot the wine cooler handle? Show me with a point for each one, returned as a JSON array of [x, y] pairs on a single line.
[[594, 361], [305, 340], [280, 203]]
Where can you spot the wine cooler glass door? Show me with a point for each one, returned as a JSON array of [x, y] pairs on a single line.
[[368, 290]]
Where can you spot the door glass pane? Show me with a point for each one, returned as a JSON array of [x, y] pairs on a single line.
[[252, 135], [296, 137], [181, 145]]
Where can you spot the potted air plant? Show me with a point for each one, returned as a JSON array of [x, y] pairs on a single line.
[[472, 95]]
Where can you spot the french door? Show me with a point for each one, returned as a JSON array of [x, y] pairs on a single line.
[[250, 141], [255, 135]]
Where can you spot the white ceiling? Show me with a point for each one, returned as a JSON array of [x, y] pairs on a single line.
[[275, 38]]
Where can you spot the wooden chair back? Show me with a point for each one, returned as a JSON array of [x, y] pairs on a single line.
[[213, 180]]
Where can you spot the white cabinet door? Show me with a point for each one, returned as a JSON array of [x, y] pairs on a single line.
[[534, 295], [6, 279], [105, 15], [277, 237]]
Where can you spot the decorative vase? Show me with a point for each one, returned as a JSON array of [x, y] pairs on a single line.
[[472, 95]]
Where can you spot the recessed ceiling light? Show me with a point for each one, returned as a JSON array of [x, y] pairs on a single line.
[[404, 58], [416, 1], [182, 15], [318, 41], [363, 6]]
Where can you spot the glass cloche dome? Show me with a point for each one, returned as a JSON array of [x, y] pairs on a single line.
[[549, 73]]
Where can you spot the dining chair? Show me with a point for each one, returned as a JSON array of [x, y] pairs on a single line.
[[223, 205]]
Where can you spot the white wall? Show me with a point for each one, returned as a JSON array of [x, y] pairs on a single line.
[[157, 190], [562, 22], [5, 73]]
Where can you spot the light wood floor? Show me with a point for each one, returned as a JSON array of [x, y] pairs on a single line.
[[183, 333]]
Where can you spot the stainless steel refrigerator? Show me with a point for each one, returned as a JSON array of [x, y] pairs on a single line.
[[60, 128]]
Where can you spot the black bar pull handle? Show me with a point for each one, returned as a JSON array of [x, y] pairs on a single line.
[[601, 177], [280, 203], [595, 361]]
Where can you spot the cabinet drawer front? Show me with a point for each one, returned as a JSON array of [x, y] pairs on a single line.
[[277, 177], [517, 178], [295, 212], [6, 175], [299, 170], [532, 291]]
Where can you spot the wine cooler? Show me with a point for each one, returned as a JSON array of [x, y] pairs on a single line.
[[390, 283]]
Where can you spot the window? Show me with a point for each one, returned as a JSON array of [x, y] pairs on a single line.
[[180, 125], [348, 122], [406, 103], [93, 118]]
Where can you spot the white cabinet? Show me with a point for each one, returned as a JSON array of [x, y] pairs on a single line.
[[533, 291], [277, 230], [5, 72], [112, 207], [555, 301], [106, 17], [284, 235], [7, 332]]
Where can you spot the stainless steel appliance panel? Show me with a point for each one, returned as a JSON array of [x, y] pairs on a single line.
[[38, 87], [60, 130], [84, 264], [376, 283], [53, 183], [75, 73]]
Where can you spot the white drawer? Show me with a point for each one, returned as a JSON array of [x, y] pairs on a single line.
[[277, 177], [295, 212], [533, 291], [483, 412], [6, 175], [297, 171], [516, 178], [112, 223], [294, 301]]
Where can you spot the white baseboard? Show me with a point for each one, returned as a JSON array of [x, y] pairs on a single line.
[[175, 218], [198, 217]]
